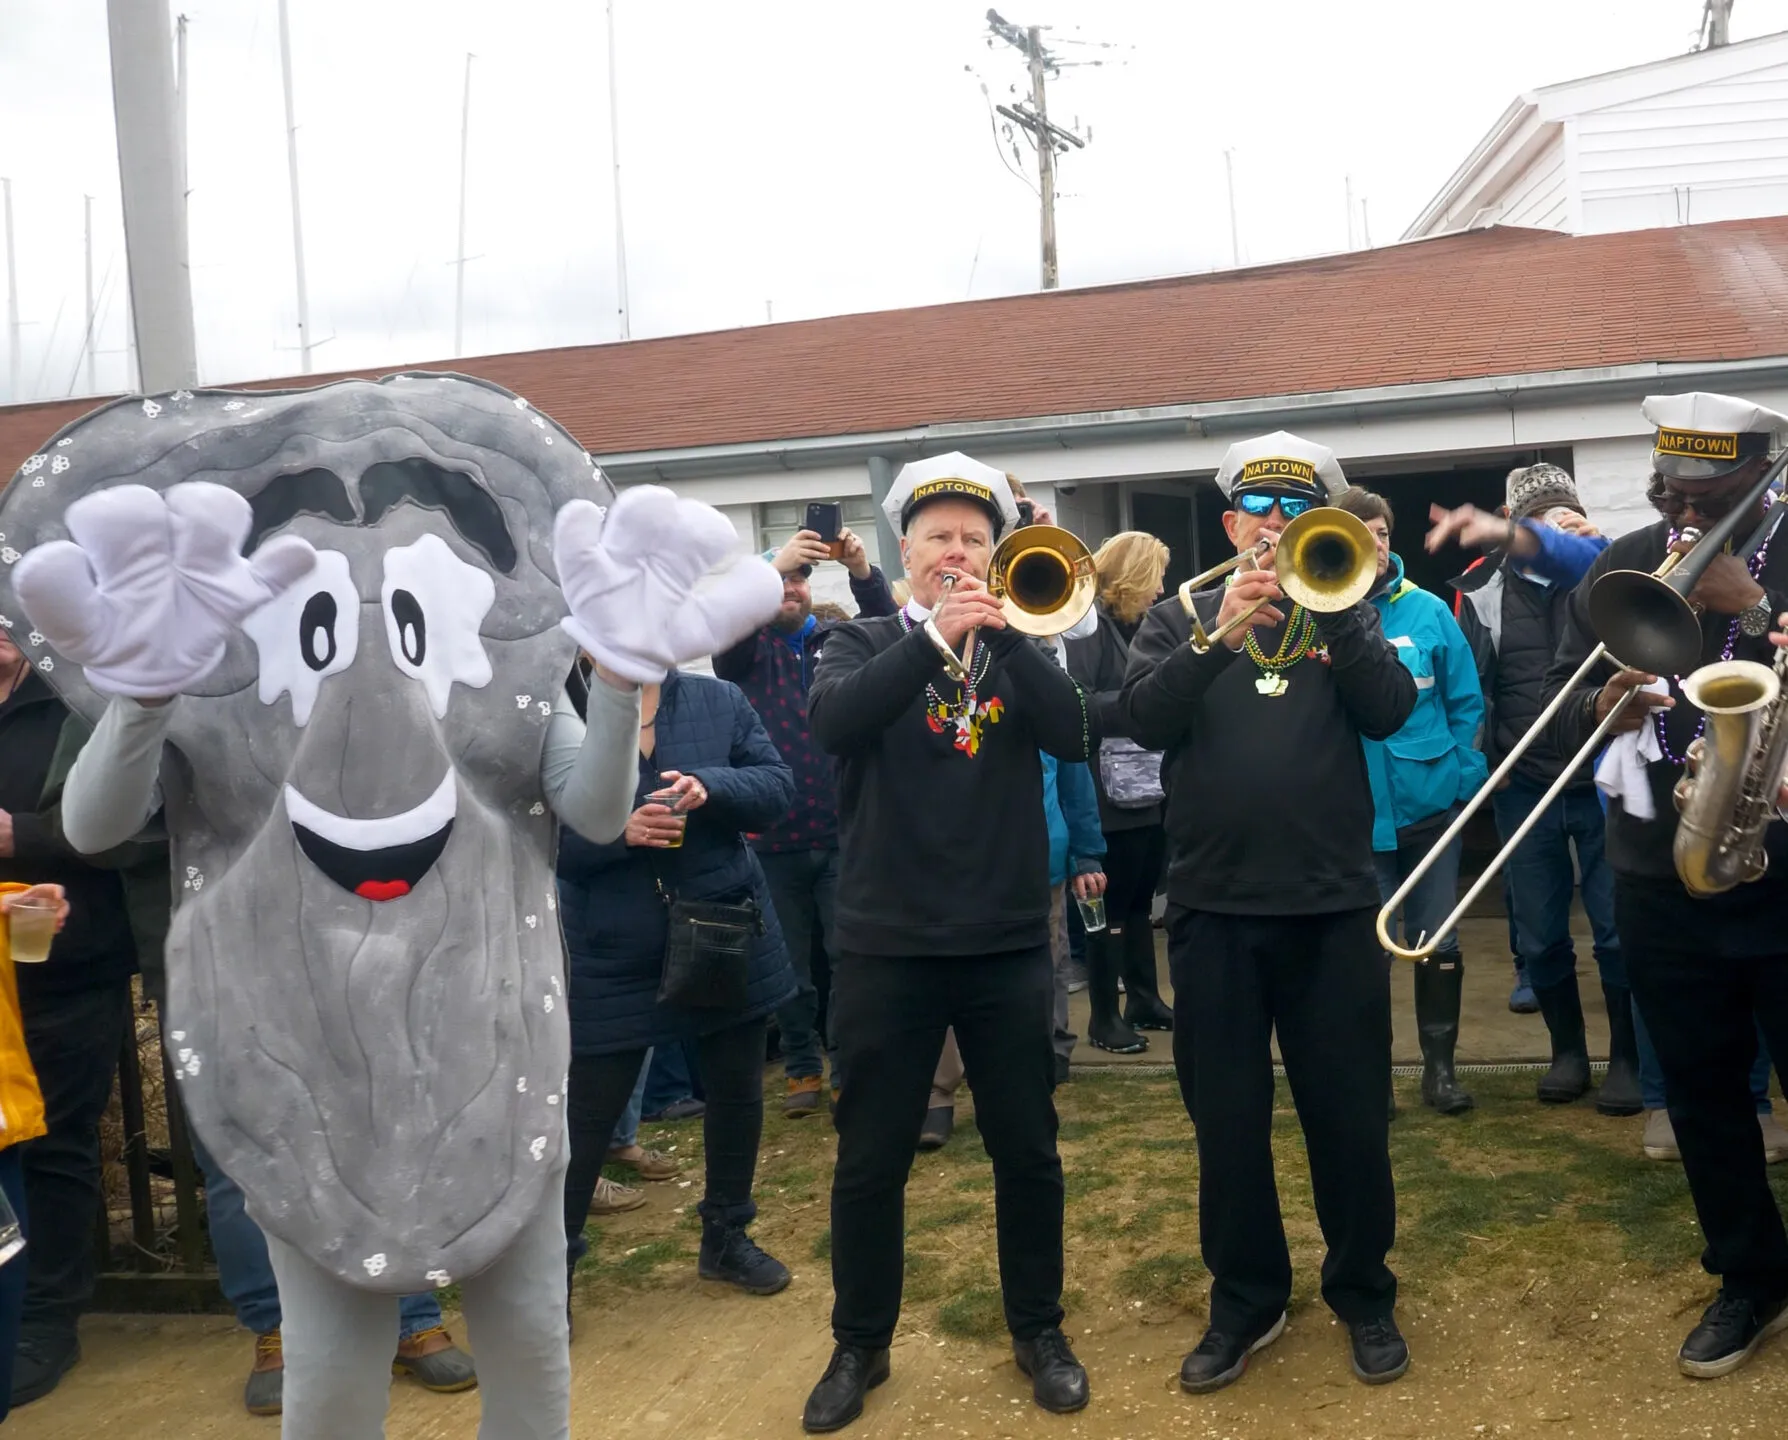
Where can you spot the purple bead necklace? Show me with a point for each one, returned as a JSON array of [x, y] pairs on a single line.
[[1658, 717]]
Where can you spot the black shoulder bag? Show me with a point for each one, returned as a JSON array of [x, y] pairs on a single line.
[[707, 955]]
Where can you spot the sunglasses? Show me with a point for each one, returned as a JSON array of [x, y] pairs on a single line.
[[1670, 503], [1290, 506]]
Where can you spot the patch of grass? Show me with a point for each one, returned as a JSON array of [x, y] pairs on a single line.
[[1076, 1130], [973, 1314], [1174, 1144], [1175, 1278], [982, 1180], [1150, 1219], [926, 1277], [634, 1266], [822, 1244], [1083, 1180], [959, 1214]]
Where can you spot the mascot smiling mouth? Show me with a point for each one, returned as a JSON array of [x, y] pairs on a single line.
[[383, 859]]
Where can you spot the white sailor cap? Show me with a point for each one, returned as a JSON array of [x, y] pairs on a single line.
[[951, 477], [1282, 462], [1703, 436]]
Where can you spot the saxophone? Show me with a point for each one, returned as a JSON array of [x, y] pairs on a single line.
[[1727, 794]]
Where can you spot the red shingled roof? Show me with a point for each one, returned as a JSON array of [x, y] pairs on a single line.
[[1488, 302]]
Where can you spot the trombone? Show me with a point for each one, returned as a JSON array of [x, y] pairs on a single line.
[[1044, 579], [1647, 618], [1326, 561]]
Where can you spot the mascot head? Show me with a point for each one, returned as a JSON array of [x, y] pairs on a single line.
[[365, 995]]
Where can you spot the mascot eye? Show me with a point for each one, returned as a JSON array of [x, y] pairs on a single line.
[[316, 631], [412, 631], [435, 604]]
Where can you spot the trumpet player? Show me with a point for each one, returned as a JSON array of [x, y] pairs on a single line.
[[1271, 898], [1700, 968], [943, 921]]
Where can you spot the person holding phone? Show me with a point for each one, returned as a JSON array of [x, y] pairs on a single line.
[[799, 850], [21, 1109]]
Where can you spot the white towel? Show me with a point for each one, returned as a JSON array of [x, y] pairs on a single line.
[[1621, 773]]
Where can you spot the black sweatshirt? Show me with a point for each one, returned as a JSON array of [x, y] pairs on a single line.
[[1749, 918], [1269, 811], [944, 848]]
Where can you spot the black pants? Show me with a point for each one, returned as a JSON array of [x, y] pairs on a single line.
[[1699, 1008], [74, 1040], [732, 1066], [1133, 860], [889, 1017], [803, 886], [1320, 980]]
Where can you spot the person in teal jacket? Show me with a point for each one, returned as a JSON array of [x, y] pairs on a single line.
[[1420, 777]]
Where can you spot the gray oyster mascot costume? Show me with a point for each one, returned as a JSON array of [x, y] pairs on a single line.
[[328, 630]]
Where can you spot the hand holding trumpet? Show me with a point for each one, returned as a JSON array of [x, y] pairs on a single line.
[[966, 606], [1256, 581]]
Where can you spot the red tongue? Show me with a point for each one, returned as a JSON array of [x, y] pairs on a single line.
[[382, 889]]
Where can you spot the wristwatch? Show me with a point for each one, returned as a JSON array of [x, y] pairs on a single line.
[[1755, 621]]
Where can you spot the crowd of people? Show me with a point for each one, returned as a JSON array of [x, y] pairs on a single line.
[[758, 851]]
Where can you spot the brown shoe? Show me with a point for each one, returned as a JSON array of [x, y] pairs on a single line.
[[435, 1362], [647, 1164], [803, 1097], [613, 1199], [265, 1392]]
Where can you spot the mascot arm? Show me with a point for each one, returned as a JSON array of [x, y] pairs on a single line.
[[112, 789], [590, 768]]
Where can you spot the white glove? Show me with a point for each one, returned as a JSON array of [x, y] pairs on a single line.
[[630, 576], [152, 585]]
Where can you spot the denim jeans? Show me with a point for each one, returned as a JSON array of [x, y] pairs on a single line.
[[1431, 900], [245, 1274], [803, 888], [1541, 880], [627, 1129], [1651, 1073]]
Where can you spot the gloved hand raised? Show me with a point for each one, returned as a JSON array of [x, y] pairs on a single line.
[[630, 576], [147, 592]]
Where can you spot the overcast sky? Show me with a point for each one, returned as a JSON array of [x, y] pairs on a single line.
[[819, 155]]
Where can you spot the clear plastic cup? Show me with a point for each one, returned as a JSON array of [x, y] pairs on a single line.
[[671, 800], [31, 926], [1092, 912]]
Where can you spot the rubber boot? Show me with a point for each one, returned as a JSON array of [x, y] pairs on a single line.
[[1143, 1006], [1562, 1007], [1106, 1030], [1437, 988], [1619, 1094]]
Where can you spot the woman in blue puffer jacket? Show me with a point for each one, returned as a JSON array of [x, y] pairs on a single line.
[[700, 737], [1420, 777]]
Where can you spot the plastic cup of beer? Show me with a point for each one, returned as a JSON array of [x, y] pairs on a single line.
[[1092, 912], [31, 926], [671, 799]]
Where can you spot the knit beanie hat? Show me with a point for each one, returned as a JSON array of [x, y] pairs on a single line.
[[1537, 488]]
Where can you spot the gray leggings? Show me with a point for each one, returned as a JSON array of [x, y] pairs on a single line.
[[338, 1340]]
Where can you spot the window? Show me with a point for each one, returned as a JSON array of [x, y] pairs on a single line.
[[776, 522]]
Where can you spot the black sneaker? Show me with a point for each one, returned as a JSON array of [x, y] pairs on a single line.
[[39, 1363], [940, 1121], [733, 1257], [1058, 1380], [1220, 1359], [1730, 1330], [1379, 1352], [838, 1398]]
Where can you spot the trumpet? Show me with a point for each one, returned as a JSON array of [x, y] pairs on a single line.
[[1326, 561], [1044, 579], [1646, 618]]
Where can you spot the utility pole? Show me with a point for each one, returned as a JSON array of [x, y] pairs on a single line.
[[1034, 120], [285, 70], [1235, 242], [459, 284], [614, 142], [92, 372], [1716, 24], [14, 344]]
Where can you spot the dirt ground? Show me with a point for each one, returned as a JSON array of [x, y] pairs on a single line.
[[1548, 1275]]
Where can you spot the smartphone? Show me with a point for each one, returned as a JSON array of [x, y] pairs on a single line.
[[826, 518], [1027, 512]]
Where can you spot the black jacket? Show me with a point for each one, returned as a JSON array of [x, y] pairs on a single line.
[[96, 948], [1269, 810], [944, 846], [615, 922], [1097, 664], [1746, 920], [1514, 626]]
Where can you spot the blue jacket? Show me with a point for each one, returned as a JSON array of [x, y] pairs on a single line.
[[1071, 806], [1432, 763], [615, 921]]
